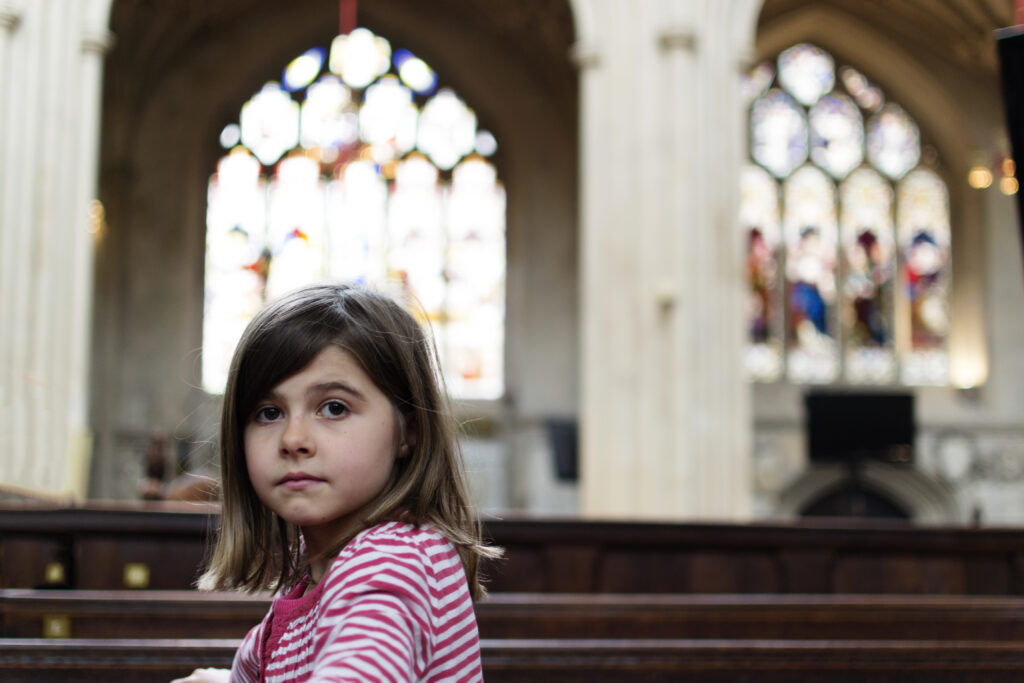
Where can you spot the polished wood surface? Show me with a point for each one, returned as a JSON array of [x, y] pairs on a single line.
[[161, 546], [540, 661], [188, 614], [572, 600]]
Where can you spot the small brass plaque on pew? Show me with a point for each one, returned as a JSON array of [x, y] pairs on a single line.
[[56, 626], [54, 573], [136, 575]]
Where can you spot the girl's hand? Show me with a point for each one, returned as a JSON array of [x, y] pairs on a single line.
[[206, 676]]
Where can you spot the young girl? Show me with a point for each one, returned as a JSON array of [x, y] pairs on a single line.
[[343, 491]]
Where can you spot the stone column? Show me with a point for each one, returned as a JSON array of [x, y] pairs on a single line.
[[10, 17], [665, 413], [50, 77]]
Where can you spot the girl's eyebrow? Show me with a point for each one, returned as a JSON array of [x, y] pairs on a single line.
[[335, 385]]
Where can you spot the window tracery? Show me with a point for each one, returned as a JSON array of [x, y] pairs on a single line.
[[847, 232], [356, 167]]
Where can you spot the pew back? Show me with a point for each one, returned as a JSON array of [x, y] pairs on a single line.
[[597, 661], [179, 614], [160, 546]]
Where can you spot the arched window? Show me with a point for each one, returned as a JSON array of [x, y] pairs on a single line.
[[355, 167], [847, 228]]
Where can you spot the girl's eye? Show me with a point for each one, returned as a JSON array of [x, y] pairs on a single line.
[[334, 409], [267, 414]]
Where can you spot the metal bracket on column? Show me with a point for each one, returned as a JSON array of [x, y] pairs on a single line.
[[9, 17], [584, 56], [678, 38], [97, 42]]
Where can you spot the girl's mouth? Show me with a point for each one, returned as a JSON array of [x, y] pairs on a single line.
[[296, 481]]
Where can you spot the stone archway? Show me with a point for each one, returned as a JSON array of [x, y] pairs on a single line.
[[923, 498]]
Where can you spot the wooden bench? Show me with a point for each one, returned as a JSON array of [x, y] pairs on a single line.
[[161, 546], [27, 613], [598, 661], [176, 614], [775, 617]]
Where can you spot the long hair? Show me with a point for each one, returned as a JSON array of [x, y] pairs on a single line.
[[255, 548]]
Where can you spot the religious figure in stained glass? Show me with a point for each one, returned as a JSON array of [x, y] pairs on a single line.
[[760, 213], [865, 255], [867, 276], [761, 273], [924, 237], [866, 207], [809, 222]]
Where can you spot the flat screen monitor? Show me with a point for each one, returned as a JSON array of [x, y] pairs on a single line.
[[855, 426]]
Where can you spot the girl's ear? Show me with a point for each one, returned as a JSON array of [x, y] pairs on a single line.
[[408, 439]]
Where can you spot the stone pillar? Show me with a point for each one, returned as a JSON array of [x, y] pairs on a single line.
[[10, 17], [50, 74], [665, 418]]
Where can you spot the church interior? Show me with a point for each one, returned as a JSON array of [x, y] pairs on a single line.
[[728, 295]]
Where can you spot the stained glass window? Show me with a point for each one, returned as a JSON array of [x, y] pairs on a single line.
[[866, 209], [809, 220], [356, 168], [847, 233], [760, 219], [924, 239]]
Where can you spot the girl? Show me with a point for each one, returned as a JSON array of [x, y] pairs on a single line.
[[343, 490]]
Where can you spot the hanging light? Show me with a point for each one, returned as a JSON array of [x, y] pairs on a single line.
[[983, 175], [979, 177]]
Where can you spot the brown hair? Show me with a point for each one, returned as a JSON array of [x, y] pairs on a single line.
[[256, 549]]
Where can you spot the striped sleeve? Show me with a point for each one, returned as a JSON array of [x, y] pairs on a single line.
[[376, 619], [246, 666]]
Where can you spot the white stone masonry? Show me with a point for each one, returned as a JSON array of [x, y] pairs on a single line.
[[665, 415], [51, 65]]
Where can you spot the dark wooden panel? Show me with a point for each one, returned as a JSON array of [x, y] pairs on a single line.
[[761, 661], [638, 570], [127, 661], [128, 614], [903, 572], [30, 561], [600, 661], [107, 562], [526, 568], [775, 617], [179, 614], [824, 556]]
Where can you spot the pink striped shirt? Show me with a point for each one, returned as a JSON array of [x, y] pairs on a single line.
[[394, 606]]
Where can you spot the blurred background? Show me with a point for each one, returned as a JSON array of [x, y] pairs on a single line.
[[683, 259]]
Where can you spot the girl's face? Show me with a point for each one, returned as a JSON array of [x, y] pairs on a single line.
[[321, 445]]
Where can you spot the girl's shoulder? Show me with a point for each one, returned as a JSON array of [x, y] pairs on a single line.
[[397, 537], [412, 554]]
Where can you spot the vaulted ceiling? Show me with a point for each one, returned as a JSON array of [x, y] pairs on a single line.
[[953, 30]]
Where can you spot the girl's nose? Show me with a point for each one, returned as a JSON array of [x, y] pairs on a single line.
[[296, 440]]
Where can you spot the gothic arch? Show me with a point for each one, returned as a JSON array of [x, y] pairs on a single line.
[[925, 499]]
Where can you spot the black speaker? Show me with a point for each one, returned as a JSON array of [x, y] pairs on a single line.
[[562, 435], [1010, 46]]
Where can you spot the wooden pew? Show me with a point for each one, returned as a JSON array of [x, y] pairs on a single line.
[[177, 614], [774, 617], [161, 546], [157, 546], [598, 661], [28, 613]]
